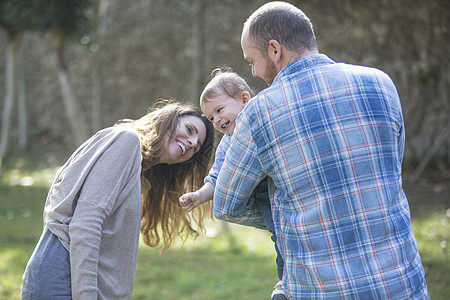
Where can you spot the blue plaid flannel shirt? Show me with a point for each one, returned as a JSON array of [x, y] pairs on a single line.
[[330, 136]]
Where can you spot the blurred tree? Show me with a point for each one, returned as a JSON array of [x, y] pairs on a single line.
[[67, 20], [409, 41], [15, 18], [196, 48], [94, 42], [151, 49]]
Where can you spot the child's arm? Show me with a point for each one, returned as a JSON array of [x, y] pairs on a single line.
[[189, 201]]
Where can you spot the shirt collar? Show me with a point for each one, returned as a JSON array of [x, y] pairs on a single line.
[[304, 63]]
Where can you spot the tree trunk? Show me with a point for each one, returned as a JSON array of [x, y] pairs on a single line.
[[77, 125], [99, 9], [22, 95], [11, 51], [197, 47]]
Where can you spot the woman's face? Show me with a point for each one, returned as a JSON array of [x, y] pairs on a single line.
[[187, 140]]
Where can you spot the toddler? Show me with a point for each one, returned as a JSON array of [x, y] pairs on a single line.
[[221, 101]]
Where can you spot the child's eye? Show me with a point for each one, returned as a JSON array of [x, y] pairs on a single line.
[[219, 110], [211, 119]]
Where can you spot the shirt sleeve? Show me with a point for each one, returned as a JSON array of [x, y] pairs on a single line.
[[218, 160], [97, 198], [240, 174]]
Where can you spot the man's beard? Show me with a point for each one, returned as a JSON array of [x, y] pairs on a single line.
[[270, 73]]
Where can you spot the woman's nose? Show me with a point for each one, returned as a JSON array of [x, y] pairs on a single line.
[[193, 141]]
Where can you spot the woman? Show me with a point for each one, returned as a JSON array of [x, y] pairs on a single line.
[[93, 212]]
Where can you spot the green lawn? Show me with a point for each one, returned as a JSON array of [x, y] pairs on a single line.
[[230, 262]]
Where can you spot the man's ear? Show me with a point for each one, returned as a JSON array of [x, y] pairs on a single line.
[[245, 97], [274, 51]]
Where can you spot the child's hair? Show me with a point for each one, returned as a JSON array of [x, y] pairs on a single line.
[[224, 81], [162, 184]]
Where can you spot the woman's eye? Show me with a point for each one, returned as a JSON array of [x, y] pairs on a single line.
[[189, 129], [219, 110]]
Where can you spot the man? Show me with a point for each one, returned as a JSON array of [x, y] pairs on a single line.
[[330, 138]]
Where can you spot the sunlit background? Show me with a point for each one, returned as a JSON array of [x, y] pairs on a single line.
[[63, 78]]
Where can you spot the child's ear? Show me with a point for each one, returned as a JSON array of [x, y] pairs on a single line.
[[245, 97]]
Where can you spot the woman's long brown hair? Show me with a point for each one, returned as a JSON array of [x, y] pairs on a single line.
[[163, 219]]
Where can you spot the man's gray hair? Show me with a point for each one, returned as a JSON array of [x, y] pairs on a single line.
[[283, 22]]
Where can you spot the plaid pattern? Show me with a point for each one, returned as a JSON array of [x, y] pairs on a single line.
[[218, 159], [330, 136]]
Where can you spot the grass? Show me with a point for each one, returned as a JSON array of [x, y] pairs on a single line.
[[209, 268], [229, 261]]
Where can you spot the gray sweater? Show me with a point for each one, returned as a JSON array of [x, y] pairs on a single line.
[[94, 207]]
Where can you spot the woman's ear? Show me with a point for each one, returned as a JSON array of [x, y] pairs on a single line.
[[245, 97]]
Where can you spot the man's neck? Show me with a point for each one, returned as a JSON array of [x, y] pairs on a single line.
[[291, 57]]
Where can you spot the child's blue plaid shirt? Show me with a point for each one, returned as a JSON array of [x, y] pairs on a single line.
[[330, 136]]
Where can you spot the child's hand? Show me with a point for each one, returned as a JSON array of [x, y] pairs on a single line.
[[189, 201]]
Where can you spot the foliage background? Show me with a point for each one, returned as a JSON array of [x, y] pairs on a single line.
[[151, 49]]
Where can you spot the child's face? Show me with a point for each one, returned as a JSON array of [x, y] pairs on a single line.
[[223, 110]]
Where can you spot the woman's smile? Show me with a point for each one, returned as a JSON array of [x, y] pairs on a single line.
[[182, 147], [185, 141]]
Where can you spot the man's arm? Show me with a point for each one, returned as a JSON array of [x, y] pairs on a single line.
[[240, 174]]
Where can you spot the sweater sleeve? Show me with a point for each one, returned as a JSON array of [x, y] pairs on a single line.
[[106, 178]]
